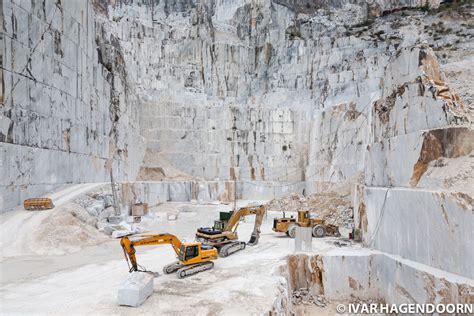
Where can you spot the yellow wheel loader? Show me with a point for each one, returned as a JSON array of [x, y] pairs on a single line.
[[224, 236], [192, 257], [319, 227]]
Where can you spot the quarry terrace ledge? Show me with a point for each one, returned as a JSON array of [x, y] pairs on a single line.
[[207, 191]]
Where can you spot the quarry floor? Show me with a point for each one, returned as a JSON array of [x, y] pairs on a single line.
[[86, 279]]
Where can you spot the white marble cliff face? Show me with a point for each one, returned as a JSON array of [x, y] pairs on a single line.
[[322, 94], [329, 94], [268, 90], [65, 117]]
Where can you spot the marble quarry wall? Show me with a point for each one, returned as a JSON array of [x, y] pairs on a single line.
[[278, 96], [154, 192], [334, 95], [347, 275], [66, 115], [278, 91], [408, 207], [206, 106]]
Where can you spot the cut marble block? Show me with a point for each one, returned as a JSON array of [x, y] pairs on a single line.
[[303, 239], [136, 289]]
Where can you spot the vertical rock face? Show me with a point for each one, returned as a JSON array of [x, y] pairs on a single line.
[[204, 81], [323, 94], [263, 90], [332, 94], [372, 276], [66, 116], [421, 139]]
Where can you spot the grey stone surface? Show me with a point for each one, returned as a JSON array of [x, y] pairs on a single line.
[[303, 239], [136, 289], [154, 192], [276, 95], [59, 121], [392, 279], [433, 228], [371, 275]]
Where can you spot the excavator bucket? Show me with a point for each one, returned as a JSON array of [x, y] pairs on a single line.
[[254, 239]]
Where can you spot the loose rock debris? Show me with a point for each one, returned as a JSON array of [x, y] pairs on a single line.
[[346, 243], [303, 296], [99, 206], [333, 207]]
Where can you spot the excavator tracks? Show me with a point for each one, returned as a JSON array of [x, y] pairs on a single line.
[[172, 267], [231, 248], [186, 271]]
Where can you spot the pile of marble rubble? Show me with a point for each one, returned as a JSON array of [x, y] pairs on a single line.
[[99, 205], [304, 296], [331, 206]]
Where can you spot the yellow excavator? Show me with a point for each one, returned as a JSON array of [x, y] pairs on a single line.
[[224, 237], [192, 257]]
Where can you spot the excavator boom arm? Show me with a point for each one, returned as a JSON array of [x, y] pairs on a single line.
[[242, 212], [128, 246], [258, 211], [256, 228]]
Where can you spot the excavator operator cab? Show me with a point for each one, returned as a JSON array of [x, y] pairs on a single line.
[[191, 252], [219, 225], [188, 252]]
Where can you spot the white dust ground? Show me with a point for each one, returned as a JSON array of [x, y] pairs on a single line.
[[87, 281]]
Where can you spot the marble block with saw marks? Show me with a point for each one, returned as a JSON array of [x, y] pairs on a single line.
[[136, 289]]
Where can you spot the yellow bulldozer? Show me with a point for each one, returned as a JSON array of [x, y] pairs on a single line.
[[224, 236], [192, 257], [319, 227]]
